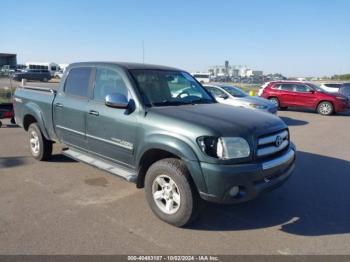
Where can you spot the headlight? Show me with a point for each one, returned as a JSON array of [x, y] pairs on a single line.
[[257, 106], [224, 147]]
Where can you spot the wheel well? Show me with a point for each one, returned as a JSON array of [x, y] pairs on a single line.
[[148, 158], [27, 121], [325, 101]]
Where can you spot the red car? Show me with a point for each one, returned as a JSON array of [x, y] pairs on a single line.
[[303, 94]]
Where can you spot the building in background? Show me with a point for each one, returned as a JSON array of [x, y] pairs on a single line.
[[8, 61]]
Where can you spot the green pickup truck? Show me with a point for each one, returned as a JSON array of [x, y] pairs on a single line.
[[158, 127]]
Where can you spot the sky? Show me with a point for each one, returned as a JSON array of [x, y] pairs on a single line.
[[292, 37]]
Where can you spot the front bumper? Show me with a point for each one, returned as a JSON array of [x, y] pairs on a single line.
[[252, 179]]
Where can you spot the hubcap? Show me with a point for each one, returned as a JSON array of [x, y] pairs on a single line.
[[34, 142], [325, 109], [274, 101], [166, 194]]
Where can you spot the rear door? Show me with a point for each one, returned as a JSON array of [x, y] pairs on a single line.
[[110, 131], [285, 94], [70, 106]]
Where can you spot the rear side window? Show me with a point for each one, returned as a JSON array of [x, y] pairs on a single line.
[[287, 87], [333, 85], [77, 83]]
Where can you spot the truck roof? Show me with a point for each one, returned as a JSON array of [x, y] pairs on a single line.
[[125, 65]]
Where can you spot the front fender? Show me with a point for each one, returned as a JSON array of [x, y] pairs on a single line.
[[35, 111], [179, 148]]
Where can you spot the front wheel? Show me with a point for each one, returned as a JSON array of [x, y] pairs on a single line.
[[40, 147], [325, 108], [275, 101], [171, 193]]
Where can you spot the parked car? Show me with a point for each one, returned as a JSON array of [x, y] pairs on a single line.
[[58, 74], [181, 147], [231, 95], [331, 87], [32, 74], [305, 95], [345, 90]]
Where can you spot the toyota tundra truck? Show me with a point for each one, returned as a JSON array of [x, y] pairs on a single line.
[[158, 127]]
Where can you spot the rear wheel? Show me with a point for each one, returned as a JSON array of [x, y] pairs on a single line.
[[170, 193], [40, 147], [325, 108]]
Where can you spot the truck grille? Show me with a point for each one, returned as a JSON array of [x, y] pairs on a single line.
[[272, 143]]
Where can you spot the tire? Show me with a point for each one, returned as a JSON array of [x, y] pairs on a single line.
[[185, 207], [325, 108], [40, 147], [0, 124], [13, 121], [275, 101]]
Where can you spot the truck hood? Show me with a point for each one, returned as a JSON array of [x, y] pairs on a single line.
[[220, 119]]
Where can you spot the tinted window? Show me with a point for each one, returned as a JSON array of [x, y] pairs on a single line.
[[77, 82], [302, 88], [108, 82], [345, 89], [215, 91], [333, 85], [287, 87]]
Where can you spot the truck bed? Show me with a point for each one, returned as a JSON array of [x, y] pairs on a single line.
[[36, 101]]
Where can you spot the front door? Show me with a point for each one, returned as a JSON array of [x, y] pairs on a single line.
[[110, 131], [70, 108], [304, 97]]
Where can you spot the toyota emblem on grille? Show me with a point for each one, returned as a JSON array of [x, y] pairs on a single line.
[[279, 141]]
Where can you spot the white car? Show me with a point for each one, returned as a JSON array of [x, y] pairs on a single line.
[[58, 74], [331, 87], [230, 95]]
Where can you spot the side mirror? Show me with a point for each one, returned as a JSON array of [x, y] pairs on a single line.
[[116, 100]]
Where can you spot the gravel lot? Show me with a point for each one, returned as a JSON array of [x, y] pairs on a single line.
[[66, 207]]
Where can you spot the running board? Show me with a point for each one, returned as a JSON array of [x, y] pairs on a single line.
[[110, 167]]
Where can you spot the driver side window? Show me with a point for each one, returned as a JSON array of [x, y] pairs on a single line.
[[108, 81]]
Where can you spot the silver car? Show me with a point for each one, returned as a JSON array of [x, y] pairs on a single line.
[[231, 95]]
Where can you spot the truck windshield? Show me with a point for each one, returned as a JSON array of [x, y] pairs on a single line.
[[169, 88]]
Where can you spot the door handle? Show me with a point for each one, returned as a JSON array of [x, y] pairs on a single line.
[[58, 105], [93, 112]]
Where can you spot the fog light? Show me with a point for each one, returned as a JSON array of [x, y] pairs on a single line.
[[234, 191]]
